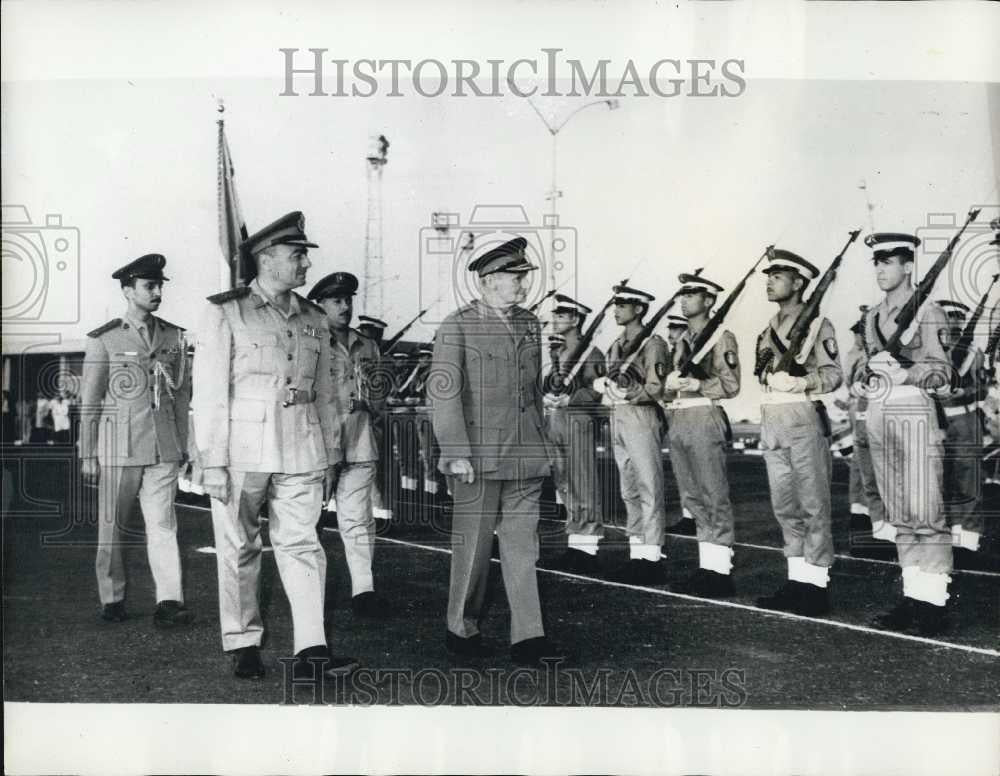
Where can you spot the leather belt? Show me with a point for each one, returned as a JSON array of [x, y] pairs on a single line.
[[298, 396], [694, 401], [962, 409], [778, 397]]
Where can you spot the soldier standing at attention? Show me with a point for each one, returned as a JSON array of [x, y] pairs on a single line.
[[633, 387], [571, 429], [905, 439], [698, 438], [266, 432], [374, 329], [963, 442], [133, 438], [487, 416], [355, 358], [676, 326], [794, 435]]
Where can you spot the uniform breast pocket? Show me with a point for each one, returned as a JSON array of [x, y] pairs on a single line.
[[309, 356], [246, 431], [255, 350]]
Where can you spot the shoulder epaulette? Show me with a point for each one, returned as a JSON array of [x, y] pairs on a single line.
[[106, 327], [171, 325], [225, 296], [309, 304]]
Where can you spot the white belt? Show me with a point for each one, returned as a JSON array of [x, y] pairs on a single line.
[[694, 401], [861, 416], [962, 409], [905, 392], [778, 397]]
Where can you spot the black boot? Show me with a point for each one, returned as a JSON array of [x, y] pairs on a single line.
[[575, 562], [247, 663], [473, 646], [813, 601], [899, 618], [931, 620], [707, 584], [114, 612], [785, 599]]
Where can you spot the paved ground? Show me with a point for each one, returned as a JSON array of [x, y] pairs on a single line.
[[634, 645]]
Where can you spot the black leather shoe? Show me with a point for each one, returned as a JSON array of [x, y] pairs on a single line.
[[575, 562], [531, 652], [899, 618], [315, 659], [784, 599], [367, 604], [707, 584], [473, 646], [813, 601], [114, 612], [170, 614], [683, 527], [247, 663], [931, 620]]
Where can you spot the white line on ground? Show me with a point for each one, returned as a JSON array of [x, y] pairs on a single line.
[[728, 604]]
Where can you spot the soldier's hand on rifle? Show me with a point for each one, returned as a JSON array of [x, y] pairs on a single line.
[[462, 468], [690, 384], [215, 481], [674, 380], [784, 382], [90, 470], [885, 366], [600, 384]]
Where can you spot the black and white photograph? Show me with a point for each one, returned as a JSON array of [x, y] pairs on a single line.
[[557, 387]]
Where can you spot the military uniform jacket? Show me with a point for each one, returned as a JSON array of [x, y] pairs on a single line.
[[250, 360], [821, 366], [358, 376], [593, 367], [652, 362], [485, 392], [931, 365], [135, 396], [721, 368]]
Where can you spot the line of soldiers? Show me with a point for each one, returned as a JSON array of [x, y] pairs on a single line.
[[285, 398]]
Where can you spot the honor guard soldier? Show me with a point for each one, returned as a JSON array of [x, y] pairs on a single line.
[[905, 438], [698, 433], [871, 536], [372, 328], [794, 435], [487, 416], [133, 438], [963, 442], [633, 388], [356, 374], [571, 428], [266, 432], [676, 326]]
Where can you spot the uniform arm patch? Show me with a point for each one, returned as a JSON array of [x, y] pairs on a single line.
[[830, 346], [732, 360]]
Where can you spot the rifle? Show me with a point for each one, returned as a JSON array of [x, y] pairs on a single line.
[[991, 346], [688, 364], [391, 343], [962, 349], [904, 320], [799, 333], [548, 295]]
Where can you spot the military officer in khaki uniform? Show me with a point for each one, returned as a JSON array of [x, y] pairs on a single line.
[[487, 416], [571, 428], [133, 438], [905, 437], [633, 388], [794, 435], [963, 443], [698, 433], [266, 431], [356, 376]]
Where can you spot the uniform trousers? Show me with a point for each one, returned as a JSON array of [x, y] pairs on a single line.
[[155, 486], [907, 451], [356, 523], [855, 487], [866, 472], [294, 502], [572, 432], [510, 507], [637, 436], [698, 456], [963, 448], [799, 471]]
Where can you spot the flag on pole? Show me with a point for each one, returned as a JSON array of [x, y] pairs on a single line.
[[232, 228]]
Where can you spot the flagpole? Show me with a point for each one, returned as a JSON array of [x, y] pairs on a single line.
[[232, 226]]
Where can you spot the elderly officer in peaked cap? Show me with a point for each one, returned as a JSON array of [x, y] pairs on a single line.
[[487, 416], [794, 434], [133, 435], [266, 432], [354, 364]]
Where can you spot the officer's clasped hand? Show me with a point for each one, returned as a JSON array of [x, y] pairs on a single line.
[[462, 469], [786, 383], [885, 366], [674, 380]]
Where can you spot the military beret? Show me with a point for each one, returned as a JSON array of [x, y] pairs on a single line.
[[508, 257], [677, 320], [148, 267], [627, 295], [892, 244], [375, 323], [778, 259], [334, 284], [566, 304], [691, 282], [290, 229]]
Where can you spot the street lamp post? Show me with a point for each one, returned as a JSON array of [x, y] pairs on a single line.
[[555, 193]]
